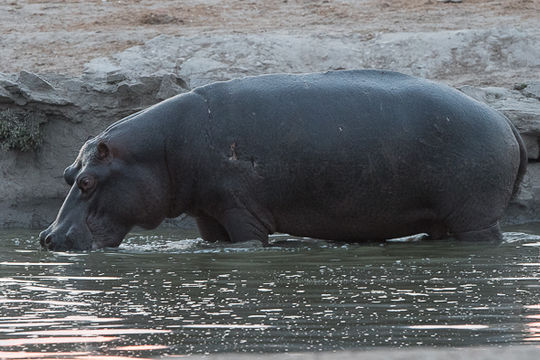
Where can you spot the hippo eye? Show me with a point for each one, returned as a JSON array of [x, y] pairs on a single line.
[[86, 183]]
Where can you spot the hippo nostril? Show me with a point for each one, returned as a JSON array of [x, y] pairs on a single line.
[[42, 236], [46, 241]]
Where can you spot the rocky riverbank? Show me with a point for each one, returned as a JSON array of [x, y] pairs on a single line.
[[46, 116]]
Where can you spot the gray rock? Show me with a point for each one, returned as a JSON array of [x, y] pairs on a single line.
[[10, 86], [170, 86], [5, 96], [115, 77], [201, 71], [7, 82], [29, 88], [51, 98], [533, 146], [532, 90], [100, 67], [526, 205], [33, 82]]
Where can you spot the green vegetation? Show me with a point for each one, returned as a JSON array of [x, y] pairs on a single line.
[[20, 130], [520, 86]]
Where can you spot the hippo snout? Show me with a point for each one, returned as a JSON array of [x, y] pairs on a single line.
[[53, 241], [45, 239], [60, 241]]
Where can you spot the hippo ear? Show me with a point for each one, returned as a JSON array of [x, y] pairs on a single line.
[[103, 151], [70, 173]]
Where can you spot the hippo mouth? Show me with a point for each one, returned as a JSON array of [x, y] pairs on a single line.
[[104, 233], [90, 235], [52, 240]]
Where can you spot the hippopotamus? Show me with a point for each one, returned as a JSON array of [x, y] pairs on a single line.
[[343, 155]]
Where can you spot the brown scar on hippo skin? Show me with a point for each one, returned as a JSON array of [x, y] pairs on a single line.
[[234, 155]]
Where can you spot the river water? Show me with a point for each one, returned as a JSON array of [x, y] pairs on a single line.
[[159, 294]]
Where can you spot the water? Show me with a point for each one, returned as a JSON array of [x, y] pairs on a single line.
[[159, 295]]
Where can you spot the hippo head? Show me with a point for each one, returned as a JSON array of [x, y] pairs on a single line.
[[112, 190]]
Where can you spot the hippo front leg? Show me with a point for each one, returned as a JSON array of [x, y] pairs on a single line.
[[241, 226], [211, 230]]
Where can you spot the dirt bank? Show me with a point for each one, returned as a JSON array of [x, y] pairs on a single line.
[[73, 67], [62, 36]]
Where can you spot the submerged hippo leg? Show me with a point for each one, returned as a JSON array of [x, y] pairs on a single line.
[[243, 226], [437, 232], [211, 230], [491, 233]]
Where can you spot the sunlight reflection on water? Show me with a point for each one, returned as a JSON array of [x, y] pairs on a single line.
[[161, 294], [6, 263]]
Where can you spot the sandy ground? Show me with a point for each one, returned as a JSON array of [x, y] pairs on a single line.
[[61, 36]]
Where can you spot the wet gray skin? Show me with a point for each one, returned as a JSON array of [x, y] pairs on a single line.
[[95, 214]]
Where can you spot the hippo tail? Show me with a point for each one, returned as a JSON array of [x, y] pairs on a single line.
[[523, 159]]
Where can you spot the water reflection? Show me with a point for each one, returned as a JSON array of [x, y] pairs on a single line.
[[6, 263], [227, 326], [457, 327], [140, 347], [38, 355], [160, 294], [56, 340]]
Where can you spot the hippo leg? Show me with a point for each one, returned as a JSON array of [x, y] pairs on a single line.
[[491, 233], [437, 232], [241, 226], [211, 230]]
